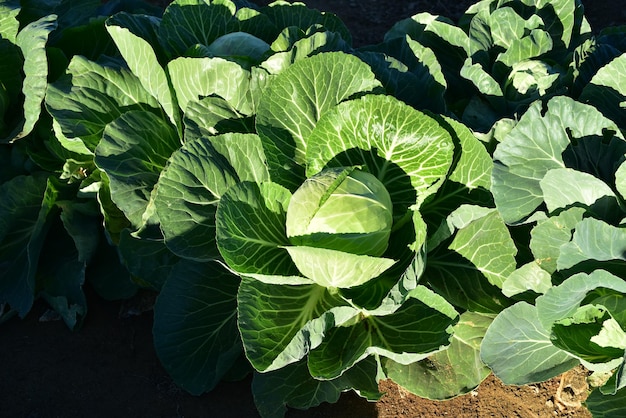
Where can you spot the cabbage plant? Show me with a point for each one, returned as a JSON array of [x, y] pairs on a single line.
[[560, 172], [51, 237], [329, 250]]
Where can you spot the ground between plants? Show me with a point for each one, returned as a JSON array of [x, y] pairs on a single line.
[[109, 367]]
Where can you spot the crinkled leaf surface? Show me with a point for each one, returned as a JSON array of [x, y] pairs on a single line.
[[280, 324], [195, 325], [408, 151], [451, 372], [518, 349], [133, 152], [297, 98], [191, 186]]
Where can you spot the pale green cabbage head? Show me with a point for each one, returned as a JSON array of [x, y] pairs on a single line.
[[342, 209]]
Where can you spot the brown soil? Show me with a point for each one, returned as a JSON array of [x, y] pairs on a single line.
[[109, 368]]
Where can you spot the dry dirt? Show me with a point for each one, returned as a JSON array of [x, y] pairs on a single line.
[[109, 368]]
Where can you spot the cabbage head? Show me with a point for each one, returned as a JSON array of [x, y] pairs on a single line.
[[343, 209]]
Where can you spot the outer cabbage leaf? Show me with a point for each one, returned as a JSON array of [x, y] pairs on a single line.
[[562, 301], [296, 99], [147, 258], [61, 275], [293, 386], [306, 44], [191, 186], [195, 325], [594, 240], [593, 336], [250, 232], [564, 187], [468, 183], [531, 276], [212, 116], [32, 41], [107, 275], [607, 91], [606, 406], [420, 327], [280, 324], [284, 14], [519, 349], [449, 43], [142, 60], [194, 78], [408, 151], [12, 78], [409, 71], [133, 151], [82, 109], [9, 25], [536, 145], [549, 234], [451, 372], [471, 269], [620, 179], [332, 268], [25, 206]]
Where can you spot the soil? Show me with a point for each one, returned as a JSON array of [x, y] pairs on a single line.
[[110, 369]]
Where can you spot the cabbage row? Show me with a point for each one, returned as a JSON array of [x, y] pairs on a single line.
[[445, 204]]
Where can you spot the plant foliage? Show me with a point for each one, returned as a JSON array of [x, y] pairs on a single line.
[[445, 204]]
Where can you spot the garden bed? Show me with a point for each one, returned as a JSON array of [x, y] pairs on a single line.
[[109, 367]]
